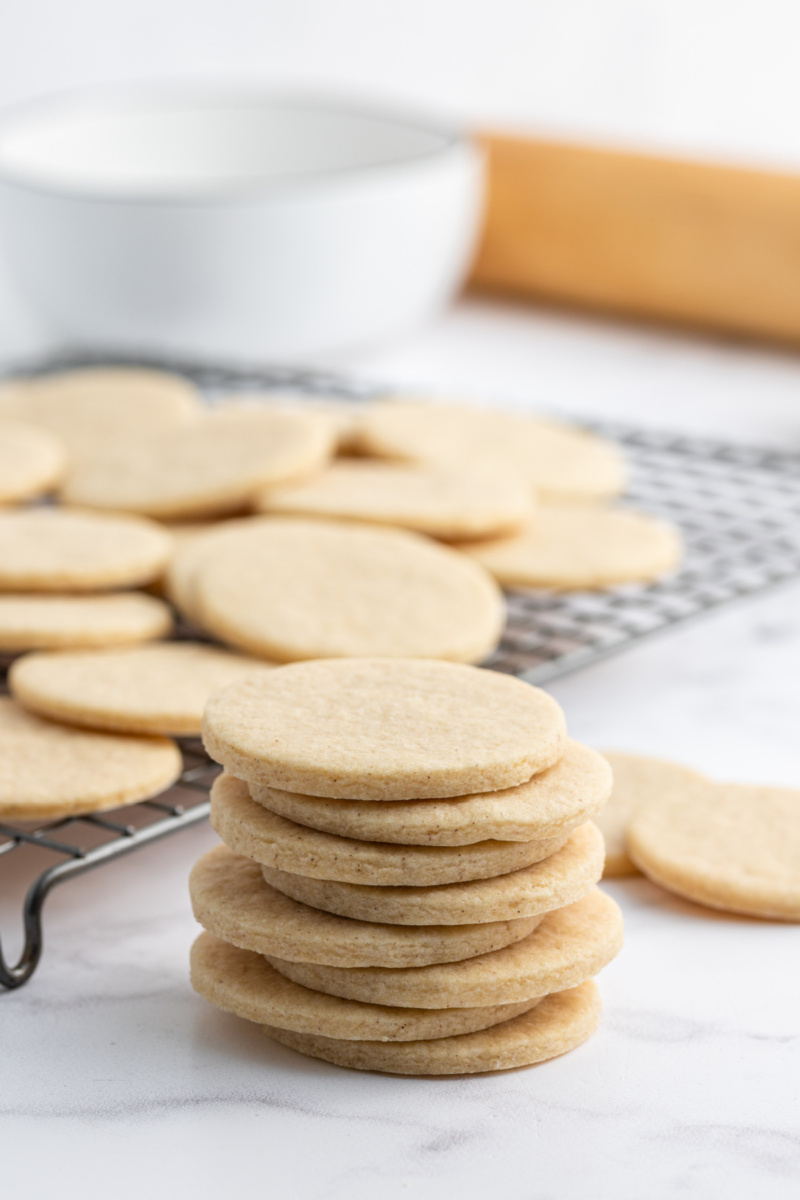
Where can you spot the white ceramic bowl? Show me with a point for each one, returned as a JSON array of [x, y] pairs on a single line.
[[227, 223]]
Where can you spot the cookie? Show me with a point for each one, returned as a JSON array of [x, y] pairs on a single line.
[[32, 461], [573, 546], [384, 729], [293, 589], [95, 409], [49, 770], [34, 622], [162, 688], [557, 1025], [729, 846], [549, 805], [212, 467], [61, 550], [250, 829], [339, 413], [245, 984], [193, 540], [440, 501], [636, 780], [555, 461], [561, 879], [231, 899], [569, 946]]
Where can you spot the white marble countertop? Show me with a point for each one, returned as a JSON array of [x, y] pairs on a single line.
[[116, 1080]]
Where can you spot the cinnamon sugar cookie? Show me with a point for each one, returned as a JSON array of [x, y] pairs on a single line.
[[290, 588], [50, 770], [549, 805], [250, 829], [245, 984], [730, 846], [384, 729], [561, 879], [160, 688], [572, 546], [558, 1024], [231, 899], [556, 461], [67, 550]]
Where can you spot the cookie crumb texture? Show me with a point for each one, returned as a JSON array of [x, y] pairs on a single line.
[[67, 550], [730, 846], [384, 729], [290, 588], [50, 770]]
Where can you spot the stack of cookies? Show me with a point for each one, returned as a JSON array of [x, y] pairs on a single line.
[[408, 877]]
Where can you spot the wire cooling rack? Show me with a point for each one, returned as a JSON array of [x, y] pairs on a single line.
[[77, 844], [737, 506]]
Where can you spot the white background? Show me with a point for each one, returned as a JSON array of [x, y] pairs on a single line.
[[713, 76]]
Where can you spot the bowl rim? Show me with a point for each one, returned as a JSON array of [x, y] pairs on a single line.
[[454, 141]]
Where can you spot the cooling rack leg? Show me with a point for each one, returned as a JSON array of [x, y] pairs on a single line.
[[14, 976]]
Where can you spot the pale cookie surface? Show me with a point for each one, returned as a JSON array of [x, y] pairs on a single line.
[[561, 879], [49, 770], [730, 846], [61, 550], [293, 589], [443, 502], [162, 688], [193, 541], [231, 899], [214, 466], [557, 1025], [637, 779], [569, 947], [250, 829], [32, 461], [384, 729], [42, 622], [549, 805], [556, 461], [578, 546], [245, 984], [93, 410]]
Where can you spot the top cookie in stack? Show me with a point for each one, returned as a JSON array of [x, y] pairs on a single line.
[[408, 870]]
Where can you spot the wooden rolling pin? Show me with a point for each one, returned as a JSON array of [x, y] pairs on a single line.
[[692, 243]]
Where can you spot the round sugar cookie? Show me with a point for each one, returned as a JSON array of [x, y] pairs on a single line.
[[549, 805], [384, 729], [574, 546], [63, 550], [561, 879], [338, 413], [32, 461], [49, 770], [291, 588], [556, 461], [245, 984], [192, 543], [52, 622], [727, 845], [231, 899], [568, 947], [95, 409], [440, 501], [212, 467], [252, 830], [559, 1024], [637, 779], [161, 688]]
